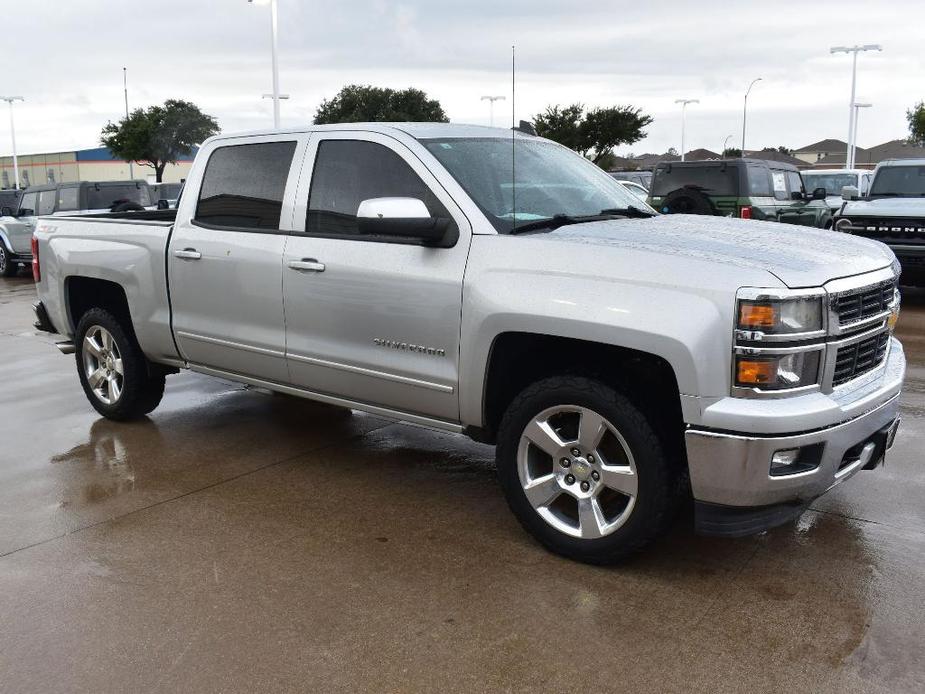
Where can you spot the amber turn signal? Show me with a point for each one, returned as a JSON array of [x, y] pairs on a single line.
[[757, 316], [755, 372]]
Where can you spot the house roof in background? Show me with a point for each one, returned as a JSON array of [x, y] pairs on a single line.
[[828, 145]]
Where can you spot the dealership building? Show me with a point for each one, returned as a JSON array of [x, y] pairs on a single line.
[[96, 164]]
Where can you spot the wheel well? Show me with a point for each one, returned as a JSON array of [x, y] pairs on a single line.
[[84, 293], [519, 359]]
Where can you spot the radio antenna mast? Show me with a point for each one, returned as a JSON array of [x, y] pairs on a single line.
[[513, 148]]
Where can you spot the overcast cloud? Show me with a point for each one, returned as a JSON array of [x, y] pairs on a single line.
[[69, 56]]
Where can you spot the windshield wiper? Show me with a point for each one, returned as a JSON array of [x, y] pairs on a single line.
[[631, 211], [561, 220]]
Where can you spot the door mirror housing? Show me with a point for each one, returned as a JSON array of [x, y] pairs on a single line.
[[404, 217], [163, 204], [849, 193], [25, 212], [797, 195], [819, 194]]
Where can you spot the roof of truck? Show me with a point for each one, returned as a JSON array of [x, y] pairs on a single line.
[[419, 131]]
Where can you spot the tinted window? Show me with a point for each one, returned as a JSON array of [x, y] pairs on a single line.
[[779, 181], [350, 171], [795, 182], [29, 202], [67, 199], [713, 180], [47, 201], [899, 181], [244, 185], [104, 197], [759, 182]]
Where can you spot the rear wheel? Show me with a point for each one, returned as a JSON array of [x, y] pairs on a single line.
[[583, 470], [7, 267], [114, 373]]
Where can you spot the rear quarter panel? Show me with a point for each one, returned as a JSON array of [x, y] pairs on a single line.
[[130, 254]]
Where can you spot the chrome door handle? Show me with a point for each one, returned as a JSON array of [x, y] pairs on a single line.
[[188, 254], [306, 265]]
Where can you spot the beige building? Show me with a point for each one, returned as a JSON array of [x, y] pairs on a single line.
[[82, 165]]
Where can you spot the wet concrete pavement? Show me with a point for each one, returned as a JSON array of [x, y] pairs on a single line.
[[240, 541]]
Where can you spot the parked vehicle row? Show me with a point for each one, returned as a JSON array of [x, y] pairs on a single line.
[[620, 360]]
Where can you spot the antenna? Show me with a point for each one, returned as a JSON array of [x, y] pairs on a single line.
[[513, 148]]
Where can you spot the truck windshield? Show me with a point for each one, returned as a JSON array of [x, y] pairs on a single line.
[[832, 182], [108, 196], [551, 181], [898, 182]]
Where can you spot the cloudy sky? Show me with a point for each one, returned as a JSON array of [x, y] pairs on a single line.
[[69, 56]]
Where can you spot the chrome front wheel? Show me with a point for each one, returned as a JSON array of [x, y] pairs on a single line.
[[103, 365], [577, 471]]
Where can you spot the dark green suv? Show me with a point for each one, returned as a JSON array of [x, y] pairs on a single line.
[[746, 188]]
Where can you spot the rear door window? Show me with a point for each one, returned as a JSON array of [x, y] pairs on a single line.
[[244, 185], [30, 201], [779, 182], [794, 182], [47, 201]]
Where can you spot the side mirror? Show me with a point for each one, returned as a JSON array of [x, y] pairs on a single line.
[[406, 217], [163, 204], [6, 211], [26, 212], [819, 194], [797, 195], [849, 193]]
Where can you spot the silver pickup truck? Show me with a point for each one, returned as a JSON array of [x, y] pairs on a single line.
[[499, 285]]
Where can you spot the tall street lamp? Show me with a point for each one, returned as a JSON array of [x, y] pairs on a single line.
[[854, 50], [491, 107], [276, 96], [745, 110], [10, 100], [684, 103], [725, 145], [854, 138]]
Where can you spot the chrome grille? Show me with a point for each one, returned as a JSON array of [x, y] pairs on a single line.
[[855, 360], [857, 304]]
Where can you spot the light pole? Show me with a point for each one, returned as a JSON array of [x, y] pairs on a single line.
[[491, 107], [725, 145], [684, 103], [745, 110], [10, 100], [131, 170], [854, 135], [276, 96], [854, 77]]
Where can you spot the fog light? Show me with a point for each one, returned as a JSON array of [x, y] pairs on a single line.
[[791, 461]]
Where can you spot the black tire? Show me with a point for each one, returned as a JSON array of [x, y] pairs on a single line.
[[687, 201], [7, 267], [658, 494], [142, 386], [127, 206]]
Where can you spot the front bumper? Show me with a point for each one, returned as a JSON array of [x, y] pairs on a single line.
[[730, 470]]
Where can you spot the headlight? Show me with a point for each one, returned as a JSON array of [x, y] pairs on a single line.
[[777, 372], [842, 224], [781, 317]]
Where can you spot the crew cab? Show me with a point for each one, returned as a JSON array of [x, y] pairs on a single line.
[[893, 212], [496, 284]]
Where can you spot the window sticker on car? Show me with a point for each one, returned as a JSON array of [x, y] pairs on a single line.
[[780, 182]]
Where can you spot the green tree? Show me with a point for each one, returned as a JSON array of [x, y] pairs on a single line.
[[357, 103], [915, 116], [592, 133], [732, 153], [159, 135]]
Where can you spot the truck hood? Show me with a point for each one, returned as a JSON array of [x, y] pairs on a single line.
[[798, 256], [886, 207]]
